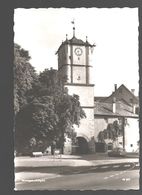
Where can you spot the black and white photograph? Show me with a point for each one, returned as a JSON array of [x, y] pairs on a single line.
[[76, 99]]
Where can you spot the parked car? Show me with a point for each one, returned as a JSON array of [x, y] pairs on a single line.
[[117, 152]]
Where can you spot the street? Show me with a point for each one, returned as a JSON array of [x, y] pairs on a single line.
[[112, 180], [116, 174]]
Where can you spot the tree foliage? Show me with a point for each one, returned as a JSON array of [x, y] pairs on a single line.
[[36, 121], [49, 113], [66, 107], [113, 131], [24, 77]]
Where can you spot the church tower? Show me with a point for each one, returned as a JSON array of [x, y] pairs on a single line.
[[75, 64]]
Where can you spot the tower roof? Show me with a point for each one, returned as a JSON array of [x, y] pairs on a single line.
[[75, 41]]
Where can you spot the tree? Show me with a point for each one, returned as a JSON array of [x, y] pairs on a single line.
[[69, 112], [49, 114], [101, 137], [35, 126], [112, 132], [67, 107], [24, 77]]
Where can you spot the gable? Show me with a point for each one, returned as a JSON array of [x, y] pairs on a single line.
[[123, 94]]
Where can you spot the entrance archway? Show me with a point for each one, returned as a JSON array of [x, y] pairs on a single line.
[[82, 145]]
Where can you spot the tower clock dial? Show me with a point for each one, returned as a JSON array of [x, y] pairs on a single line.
[[78, 51]]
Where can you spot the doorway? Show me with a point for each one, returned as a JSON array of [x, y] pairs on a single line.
[[82, 146]]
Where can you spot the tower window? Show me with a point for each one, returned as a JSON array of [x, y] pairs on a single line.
[[78, 78], [78, 58]]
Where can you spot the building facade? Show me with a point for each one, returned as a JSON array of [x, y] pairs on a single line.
[[121, 107], [75, 65]]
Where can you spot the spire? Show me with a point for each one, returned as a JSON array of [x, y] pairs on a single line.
[[73, 22], [73, 31]]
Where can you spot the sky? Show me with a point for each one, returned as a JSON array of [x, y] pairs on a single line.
[[113, 30]]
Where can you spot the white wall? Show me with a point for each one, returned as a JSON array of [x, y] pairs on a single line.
[[85, 129], [86, 94], [131, 135], [79, 72]]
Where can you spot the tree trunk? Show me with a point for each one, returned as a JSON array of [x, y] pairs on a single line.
[[62, 149]]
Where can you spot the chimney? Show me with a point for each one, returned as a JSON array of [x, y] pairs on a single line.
[[115, 87], [133, 91], [134, 109], [114, 105]]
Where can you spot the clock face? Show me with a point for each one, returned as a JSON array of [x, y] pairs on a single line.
[[78, 51]]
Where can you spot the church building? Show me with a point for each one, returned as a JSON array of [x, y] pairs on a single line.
[[75, 64]]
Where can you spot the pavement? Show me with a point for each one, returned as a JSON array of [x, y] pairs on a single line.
[[24, 165]]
